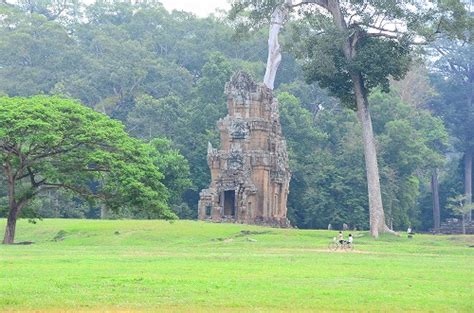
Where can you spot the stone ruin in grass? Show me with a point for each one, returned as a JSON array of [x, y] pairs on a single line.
[[453, 226], [249, 173]]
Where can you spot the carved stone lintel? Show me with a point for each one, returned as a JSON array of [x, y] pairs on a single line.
[[240, 86], [239, 129]]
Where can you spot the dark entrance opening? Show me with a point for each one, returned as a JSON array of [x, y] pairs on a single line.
[[229, 203]]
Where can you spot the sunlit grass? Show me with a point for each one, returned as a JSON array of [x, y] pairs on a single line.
[[195, 266]]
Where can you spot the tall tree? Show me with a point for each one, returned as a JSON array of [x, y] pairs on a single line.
[[35, 53], [175, 169], [278, 18], [416, 90], [163, 74], [52, 143], [454, 79], [328, 182], [62, 10], [351, 47], [435, 195], [411, 142]]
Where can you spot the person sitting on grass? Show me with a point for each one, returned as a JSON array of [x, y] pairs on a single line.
[[340, 238]]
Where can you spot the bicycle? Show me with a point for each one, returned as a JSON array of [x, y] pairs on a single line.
[[336, 245]]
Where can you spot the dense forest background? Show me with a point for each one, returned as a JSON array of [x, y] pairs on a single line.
[[162, 74]]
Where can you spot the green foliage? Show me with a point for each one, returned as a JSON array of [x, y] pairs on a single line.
[[459, 206], [36, 53], [453, 81], [206, 107], [450, 184], [328, 182], [249, 15], [163, 117], [381, 59], [325, 63], [337, 40], [176, 171], [319, 44], [215, 72], [53, 143], [163, 74], [411, 143], [458, 25], [312, 97], [63, 11]]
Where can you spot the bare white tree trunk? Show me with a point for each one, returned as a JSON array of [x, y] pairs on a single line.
[[279, 16], [435, 195], [376, 212], [103, 212], [468, 181]]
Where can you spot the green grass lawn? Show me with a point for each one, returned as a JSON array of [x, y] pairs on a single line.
[[190, 266]]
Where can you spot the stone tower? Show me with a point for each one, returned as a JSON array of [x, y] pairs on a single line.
[[249, 173]]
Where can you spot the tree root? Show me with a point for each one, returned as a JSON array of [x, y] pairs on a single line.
[[387, 229]]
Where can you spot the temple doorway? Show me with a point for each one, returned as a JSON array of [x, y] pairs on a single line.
[[229, 203]]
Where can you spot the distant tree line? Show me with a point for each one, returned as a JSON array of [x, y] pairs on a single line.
[[162, 75]]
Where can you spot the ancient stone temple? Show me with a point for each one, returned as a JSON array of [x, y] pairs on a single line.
[[249, 173]]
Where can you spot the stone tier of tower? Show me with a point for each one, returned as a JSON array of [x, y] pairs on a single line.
[[249, 173]]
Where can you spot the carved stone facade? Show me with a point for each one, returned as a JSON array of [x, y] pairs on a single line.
[[249, 174]]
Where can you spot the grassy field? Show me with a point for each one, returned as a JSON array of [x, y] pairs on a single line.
[[193, 266]]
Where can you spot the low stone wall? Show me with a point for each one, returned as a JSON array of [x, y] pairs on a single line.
[[454, 226]]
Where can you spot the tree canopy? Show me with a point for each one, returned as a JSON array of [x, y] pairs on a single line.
[[53, 143], [162, 75]]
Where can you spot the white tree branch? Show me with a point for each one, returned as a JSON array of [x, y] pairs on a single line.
[[278, 18]]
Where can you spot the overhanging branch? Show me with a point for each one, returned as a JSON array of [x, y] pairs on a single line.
[[322, 3], [77, 190]]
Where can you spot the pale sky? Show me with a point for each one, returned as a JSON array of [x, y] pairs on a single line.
[[198, 7], [201, 8]]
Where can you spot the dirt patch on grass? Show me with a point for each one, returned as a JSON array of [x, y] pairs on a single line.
[[60, 235], [243, 233]]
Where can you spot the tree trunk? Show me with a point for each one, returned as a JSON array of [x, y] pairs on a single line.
[[469, 105], [103, 212], [14, 209], [468, 181], [278, 17], [376, 213], [377, 216], [435, 195], [12, 205], [11, 226]]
